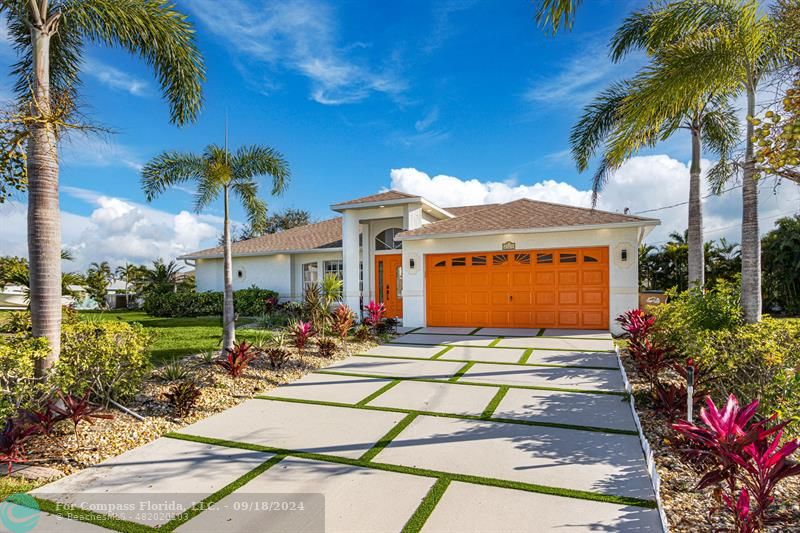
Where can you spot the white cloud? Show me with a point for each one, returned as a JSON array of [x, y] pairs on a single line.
[[80, 149], [424, 134], [117, 231], [299, 36], [644, 182], [115, 78]]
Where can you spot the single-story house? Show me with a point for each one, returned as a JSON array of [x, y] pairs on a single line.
[[523, 263]]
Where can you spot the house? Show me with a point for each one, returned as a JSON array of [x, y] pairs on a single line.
[[523, 263]]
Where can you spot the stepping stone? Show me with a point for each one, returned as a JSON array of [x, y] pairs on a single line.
[[427, 339], [570, 358], [597, 410], [531, 376], [566, 458], [470, 353], [35, 472], [437, 397], [510, 332], [355, 499], [417, 352], [557, 343], [579, 333], [446, 331], [404, 368], [171, 470], [329, 388], [311, 428], [43, 522], [466, 508]]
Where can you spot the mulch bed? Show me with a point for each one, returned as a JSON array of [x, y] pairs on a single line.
[[689, 510], [106, 438]]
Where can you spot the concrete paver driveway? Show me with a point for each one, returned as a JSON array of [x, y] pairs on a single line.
[[451, 429]]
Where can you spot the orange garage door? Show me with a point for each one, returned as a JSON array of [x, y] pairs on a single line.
[[563, 288]]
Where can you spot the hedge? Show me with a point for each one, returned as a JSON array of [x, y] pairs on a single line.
[[247, 302]]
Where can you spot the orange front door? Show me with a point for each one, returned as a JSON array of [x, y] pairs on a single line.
[[551, 288], [389, 283]]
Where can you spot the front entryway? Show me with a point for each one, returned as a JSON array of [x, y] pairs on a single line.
[[549, 288], [389, 283]]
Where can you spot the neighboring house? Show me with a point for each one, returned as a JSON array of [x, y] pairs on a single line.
[[15, 297], [520, 264]]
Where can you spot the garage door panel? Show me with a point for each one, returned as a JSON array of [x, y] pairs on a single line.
[[568, 297], [545, 297], [545, 279], [569, 318], [568, 277], [592, 319], [593, 277], [592, 297], [479, 298]]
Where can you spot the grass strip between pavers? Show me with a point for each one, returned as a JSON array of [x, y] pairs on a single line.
[[440, 353], [494, 402], [388, 438], [540, 333], [463, 370], [438, 357], [492, 345], [425, 472], [495, 342], [472, 383], [527, 355], [378, 392], [206, 502], [411, 331], [474, 331], [483, 417], [90, 517], [425, 509]]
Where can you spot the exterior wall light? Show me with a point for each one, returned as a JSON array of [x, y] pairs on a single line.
[[623, 255], [411, 263]]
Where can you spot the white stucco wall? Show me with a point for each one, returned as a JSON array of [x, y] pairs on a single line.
[[298, 260], [267, 272], [623, 277]]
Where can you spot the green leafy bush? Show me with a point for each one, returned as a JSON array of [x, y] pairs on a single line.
[[247, 302], [758, 361], [110, 358], [18, 356], [20, 321]]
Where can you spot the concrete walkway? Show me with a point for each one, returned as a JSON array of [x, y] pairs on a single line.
[[451, 429]]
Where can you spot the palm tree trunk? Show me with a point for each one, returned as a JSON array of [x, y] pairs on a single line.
[[228, 318], [695, 239], [44, 216], [751, 244]]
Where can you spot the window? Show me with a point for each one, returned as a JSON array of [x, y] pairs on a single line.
[[523, 259], [478, 260], [589, 259], [441, 264], [459, 261], [333, 267], [544, 258], [385, 240], [499, 259], [568, 258], [310, 274]]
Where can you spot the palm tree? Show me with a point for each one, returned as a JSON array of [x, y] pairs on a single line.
[[709, 119], [103, 269], [163, 277], [49, 36], [216, 171], [127, 273], [716, 47]]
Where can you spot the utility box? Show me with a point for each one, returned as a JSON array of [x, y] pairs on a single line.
[[651, 298]]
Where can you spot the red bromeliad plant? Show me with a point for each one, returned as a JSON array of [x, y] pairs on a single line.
[[636, 324], [237, 358], [301, 332], [78, 408], [12, 442], [375, 313], [744, 458], [43, 419], [651, 359]]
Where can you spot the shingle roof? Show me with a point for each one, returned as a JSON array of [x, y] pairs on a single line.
[[519, 215], [325, 234], [380, 197], [462, 210]]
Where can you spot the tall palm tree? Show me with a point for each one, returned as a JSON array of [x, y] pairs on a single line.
[[49, 36], [718, 46], [163, 277], [127, 273], [709, 119], [218, 172], [103, 269]]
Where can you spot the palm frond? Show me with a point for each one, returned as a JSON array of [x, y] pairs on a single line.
[[168, 169], [720, 128], [252, 161], [720, 174], [557, 14], [208, 190], [256, 209], [598, 119], [633, 34]]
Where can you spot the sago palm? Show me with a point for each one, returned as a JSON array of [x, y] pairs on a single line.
[[709, 119], [718, 46], [216, 172], [49, 37]]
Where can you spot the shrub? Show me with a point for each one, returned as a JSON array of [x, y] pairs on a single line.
[[301, 332], [326, 347], [18, 356], [77, 409], [12, 441], [173, 371], [108, 358], [362, 333], [247, 302], [375, 313], [277, 356], [20, 321], [183, 396], [237, 359]]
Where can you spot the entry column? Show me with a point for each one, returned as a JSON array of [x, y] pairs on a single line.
[[350, 259]]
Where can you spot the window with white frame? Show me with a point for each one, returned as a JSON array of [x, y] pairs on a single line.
[[385, 240], [310, 274], [334, 267]]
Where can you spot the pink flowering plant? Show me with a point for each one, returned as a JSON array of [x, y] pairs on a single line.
[[375, 313], [301, 332]]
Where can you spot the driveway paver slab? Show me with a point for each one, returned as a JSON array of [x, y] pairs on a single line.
[[566, 458], [597, 410], [572, 358], [578, 333], [436, 397], [426, 339], [557, 377], [557, 343], [446, 330], [510, 332], [470, 353], [165, 469], [465, 508], [329, 388], [417, 352], [311, 428], [355, 499], [44, 522], [405, 368]]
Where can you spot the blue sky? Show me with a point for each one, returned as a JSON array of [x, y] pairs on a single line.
[[361, 96]]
